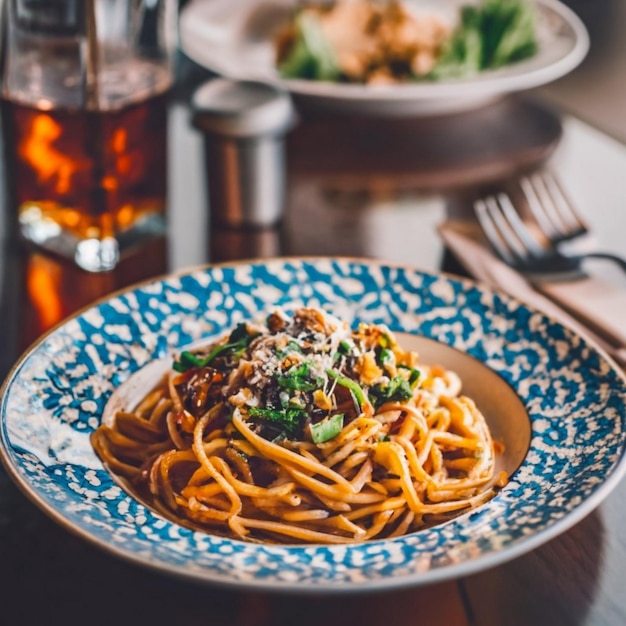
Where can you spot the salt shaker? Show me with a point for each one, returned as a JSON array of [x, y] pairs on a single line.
[[244, 123]]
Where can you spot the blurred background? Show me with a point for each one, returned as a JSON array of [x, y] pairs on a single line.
[[596, 91]]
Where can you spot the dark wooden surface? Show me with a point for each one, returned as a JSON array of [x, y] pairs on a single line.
[[352, 181]]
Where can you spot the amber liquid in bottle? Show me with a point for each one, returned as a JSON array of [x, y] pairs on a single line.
[[81, 178]]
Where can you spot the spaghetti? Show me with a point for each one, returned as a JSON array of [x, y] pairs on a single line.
[[303, 430]]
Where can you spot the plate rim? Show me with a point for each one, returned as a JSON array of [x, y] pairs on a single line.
[[440, 574]]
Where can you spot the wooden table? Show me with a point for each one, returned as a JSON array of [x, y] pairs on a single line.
[[380, 191]]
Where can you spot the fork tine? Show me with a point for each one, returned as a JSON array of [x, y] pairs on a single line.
[[552, 210], [542, 208], [492, 233], [519, 228], [564, 205], [505, 229]]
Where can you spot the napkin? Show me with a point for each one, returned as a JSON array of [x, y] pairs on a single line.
[[587, 295]]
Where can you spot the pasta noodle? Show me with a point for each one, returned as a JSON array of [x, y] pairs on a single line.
[[300, 429]]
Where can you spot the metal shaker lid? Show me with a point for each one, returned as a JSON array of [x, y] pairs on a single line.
[[241, 109]]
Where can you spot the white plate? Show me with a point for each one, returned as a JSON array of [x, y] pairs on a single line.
[[234, 38]]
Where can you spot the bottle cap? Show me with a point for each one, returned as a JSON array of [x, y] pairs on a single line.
[[242, 109]]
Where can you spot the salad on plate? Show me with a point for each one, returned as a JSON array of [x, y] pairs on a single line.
[[386, 42]]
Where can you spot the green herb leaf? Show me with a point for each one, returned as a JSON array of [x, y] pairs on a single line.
[[186, 360], [299, 378], [414, 375], [327, 429], [291, 347], [238, 340], [398, 389], [344, 347], [289, 420], [385, 356], [352, 385]]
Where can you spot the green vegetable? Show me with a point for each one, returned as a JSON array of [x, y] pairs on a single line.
[[238, 341], [290, 348], [489, 35], [327, 429], [414, 375], [462, 55], [298, 378], [398, 389], [311, 55], [385, 356], [508, 32], [352, 385], [186, 361], [289, 420], [343, 349]]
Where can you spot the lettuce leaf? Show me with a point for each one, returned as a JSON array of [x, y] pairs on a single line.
[[311, 56], [489, 35]]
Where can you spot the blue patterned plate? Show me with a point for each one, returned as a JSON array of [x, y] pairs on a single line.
[[572, 399]]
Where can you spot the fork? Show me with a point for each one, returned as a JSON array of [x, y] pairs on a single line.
[[516, 244], [551, 207]]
